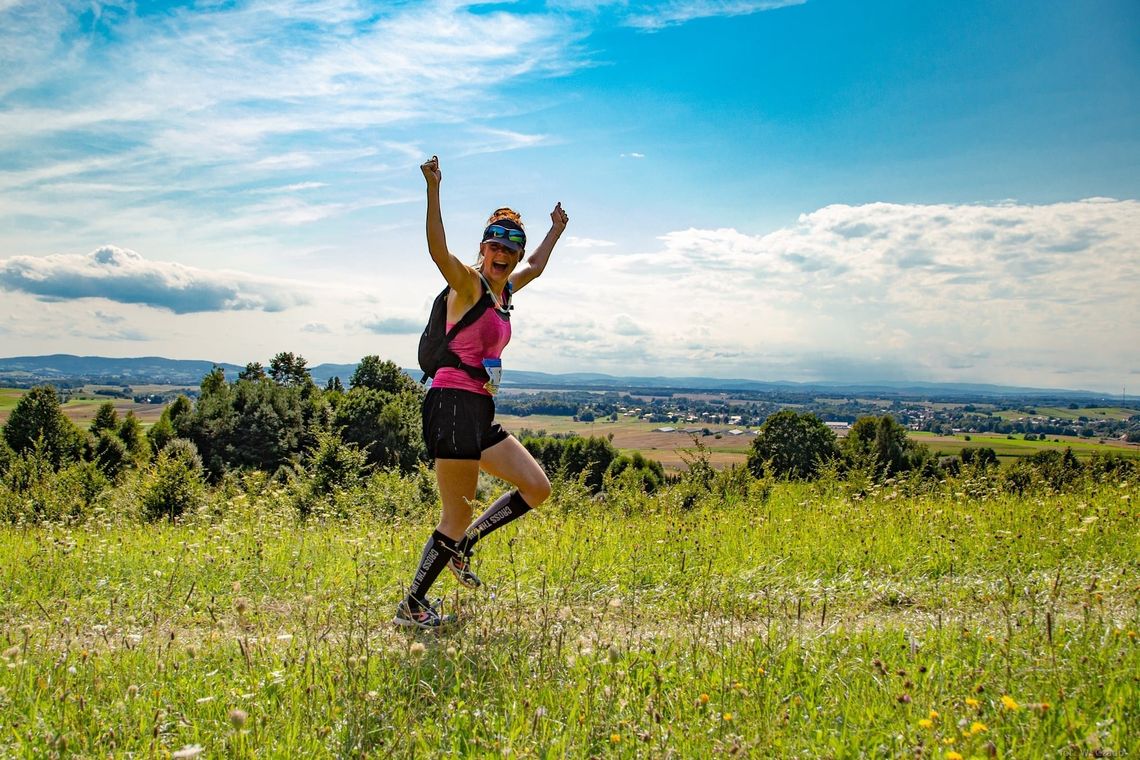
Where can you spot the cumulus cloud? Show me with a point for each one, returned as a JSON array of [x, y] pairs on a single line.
[[124, 276], [1011, 291]]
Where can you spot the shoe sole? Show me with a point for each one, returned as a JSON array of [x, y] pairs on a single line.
[[462, 581], [405, 623]]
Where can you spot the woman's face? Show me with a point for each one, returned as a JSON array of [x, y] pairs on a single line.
[[498, 262]]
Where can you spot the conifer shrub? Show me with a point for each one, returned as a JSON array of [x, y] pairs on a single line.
[[173, 485]]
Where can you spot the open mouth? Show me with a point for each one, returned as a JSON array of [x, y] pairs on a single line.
[[499, 267]]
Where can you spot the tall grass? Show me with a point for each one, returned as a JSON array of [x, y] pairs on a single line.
[[775, 620]]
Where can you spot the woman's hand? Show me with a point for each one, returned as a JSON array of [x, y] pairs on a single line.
[[431, 171], [558, 217]]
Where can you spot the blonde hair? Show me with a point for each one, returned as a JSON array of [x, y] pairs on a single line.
[[506, 212]]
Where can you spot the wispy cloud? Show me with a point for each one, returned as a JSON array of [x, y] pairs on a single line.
[[122, 275], [393, 325], [573, 241]]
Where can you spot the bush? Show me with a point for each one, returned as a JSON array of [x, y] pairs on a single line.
[[33, 491], [173, 486]]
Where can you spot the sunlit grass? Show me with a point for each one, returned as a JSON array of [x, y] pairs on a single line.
[[802, 623]]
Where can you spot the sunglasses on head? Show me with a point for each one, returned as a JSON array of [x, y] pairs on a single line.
[[499, 232]]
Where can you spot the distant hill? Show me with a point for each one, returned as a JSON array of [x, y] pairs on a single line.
[[66, 369]]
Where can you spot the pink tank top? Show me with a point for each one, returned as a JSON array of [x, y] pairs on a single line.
[[485, 338]]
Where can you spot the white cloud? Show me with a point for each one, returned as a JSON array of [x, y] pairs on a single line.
[[124, 276], [632, 155], [1036, 295]]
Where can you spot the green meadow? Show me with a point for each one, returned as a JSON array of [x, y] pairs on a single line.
[[760, 619]]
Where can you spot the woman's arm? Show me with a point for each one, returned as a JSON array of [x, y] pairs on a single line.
[[536, 261], [458, 275]]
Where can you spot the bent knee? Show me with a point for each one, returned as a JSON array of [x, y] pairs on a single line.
[[535, 491]]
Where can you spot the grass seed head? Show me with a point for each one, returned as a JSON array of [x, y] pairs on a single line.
[[238, 717]]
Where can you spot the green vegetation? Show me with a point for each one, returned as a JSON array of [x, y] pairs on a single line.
[[223, 585], [763, 619]]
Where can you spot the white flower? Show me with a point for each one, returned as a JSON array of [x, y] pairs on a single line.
[[187, 752]]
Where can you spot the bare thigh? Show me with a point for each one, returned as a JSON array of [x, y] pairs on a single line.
[[509, 460]]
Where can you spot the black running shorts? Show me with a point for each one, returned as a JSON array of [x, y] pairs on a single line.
[[459, 424]]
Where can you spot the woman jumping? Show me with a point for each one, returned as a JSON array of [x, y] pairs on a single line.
[[459, 410]]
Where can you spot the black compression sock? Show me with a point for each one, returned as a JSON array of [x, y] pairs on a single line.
[[437, 551], [510, 506]]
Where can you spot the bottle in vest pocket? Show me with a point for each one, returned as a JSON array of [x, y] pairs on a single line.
[[494, 369]]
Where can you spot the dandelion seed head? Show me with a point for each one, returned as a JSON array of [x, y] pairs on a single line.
[[417, 648], [451, 651]]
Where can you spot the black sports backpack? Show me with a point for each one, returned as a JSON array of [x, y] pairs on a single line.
[[435, 342]]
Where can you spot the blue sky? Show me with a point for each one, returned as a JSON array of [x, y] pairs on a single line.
[[773, 190]]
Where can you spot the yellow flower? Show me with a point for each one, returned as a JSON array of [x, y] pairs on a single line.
[[953, 755], [977, 728], [933, 715], [704, 698], [761, 671], [615, 738], [971, 702], [1009, 702], [728, 717], [926, 723], [948, 740]]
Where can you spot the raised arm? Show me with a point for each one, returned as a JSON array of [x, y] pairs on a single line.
[[536, 261], [458, 275]]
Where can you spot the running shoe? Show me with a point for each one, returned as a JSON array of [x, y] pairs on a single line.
[[414, 615], [461, 568]]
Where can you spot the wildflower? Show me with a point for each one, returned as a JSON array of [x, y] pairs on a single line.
[[188, 752], [903, 699], [977, 728], [417, 648], [451, 651], [971, 702], [132, 691], [727, 717], [761, 671], [615, 738], [951, 755], [926, 723], [1009, 702], [238, 717], [933, 715], [949, 740], [704, 699]]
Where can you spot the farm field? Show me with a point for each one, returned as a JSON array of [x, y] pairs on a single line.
[[789, 622], [1012, 448], [82, 406], [670, 448], [631, 435], [1092, 413]]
